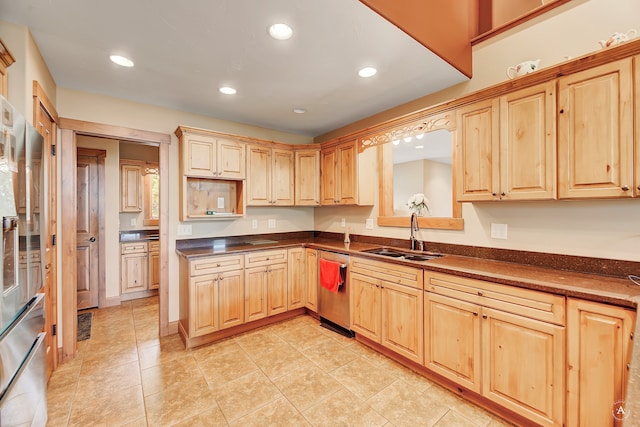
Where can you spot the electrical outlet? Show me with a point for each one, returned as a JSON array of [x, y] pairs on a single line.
[[220, 202], [133, 222], [369, 224], [272, 223], [254, 224], [499, 231], [343, 222], [184, 230]]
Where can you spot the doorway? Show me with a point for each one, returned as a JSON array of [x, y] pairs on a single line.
[[70, 129]]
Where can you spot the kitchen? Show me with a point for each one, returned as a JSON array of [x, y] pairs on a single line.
[[600, 229]]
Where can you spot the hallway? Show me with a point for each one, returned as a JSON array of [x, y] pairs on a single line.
[[292, 373]]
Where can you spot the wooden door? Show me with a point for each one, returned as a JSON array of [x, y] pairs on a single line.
[[255, 293], [347, 174], [199, 156], [89, 189], [296, 278], [452, 339], [328, 183], [402, 320], [203, 303], [478, 152], [276, 289], [636, 150], [307, 178], [133, 270], [282, 177], [595, 132], [259, 176], [523, 366], [230, 159], [598, 351], [528, 143], [311, 279], [231, 298], [365, 306]]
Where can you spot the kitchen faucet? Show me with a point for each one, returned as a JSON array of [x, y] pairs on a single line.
[[415, 244]]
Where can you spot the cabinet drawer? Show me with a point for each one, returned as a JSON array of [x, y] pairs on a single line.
[[154, 246], [394, 273], [255, 259], [133, 248], [216, 264], [525, 302]]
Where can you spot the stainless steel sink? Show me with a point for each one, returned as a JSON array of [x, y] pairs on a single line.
[[410, 256]]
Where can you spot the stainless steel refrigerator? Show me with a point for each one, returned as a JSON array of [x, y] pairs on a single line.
[[22, 352]]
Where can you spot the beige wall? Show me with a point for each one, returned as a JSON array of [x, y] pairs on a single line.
[[607, 229]]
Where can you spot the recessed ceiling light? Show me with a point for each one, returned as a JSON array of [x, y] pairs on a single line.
[[419, 146], [121, 60], [420, 136], [367, 72], [299, 110], [395, 142], [228, 90], [280, 31]]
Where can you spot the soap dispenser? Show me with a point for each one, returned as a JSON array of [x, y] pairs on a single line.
[[346, 235]]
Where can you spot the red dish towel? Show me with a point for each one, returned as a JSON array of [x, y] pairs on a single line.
[[330, 278]]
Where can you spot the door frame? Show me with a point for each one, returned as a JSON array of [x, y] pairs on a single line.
[[99, 155], [70, 128]]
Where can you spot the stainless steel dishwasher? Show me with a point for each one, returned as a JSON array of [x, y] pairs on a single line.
[[333, 307]]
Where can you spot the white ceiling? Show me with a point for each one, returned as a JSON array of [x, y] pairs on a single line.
[[184, 51]]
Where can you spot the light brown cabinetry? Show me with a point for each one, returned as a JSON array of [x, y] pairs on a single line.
[[595, 132], [130, 188], [502, 342], [307, 178], [209, 156], [296, 278], [598, 351], [386, 305], [134, 267], [508, 146], [265, 284], [271, 176], [347, 175], [311, 279], [154, 264]]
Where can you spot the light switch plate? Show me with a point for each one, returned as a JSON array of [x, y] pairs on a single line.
[[499, 231], [220, 202], [369, 224], [133, 222], [272, 223], [184, 230], [343, 222], [254, 224]]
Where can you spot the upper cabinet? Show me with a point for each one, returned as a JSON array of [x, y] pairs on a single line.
[[130, 187], [507, 146], [595, 132], [347, 175], [208, 156], [307, 177], [270, 180]]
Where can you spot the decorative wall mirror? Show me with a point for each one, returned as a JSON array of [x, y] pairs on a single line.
[[418, 158]]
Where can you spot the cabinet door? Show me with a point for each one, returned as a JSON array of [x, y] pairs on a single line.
[[307, 178], [230, 159], [231, 298], [595, 132], [255, 293], [402, 320], [599, 345], [365, 300], [259, 179], [452, 339], [154, 265], [199, 155], [134, 272], [528, 143], [311, 279], [282, 177], [203, 304], [328, 182], [347, 174], [523, 366], [478, 152], [276, 289], [636, 91], [296, 278], [131, 188]]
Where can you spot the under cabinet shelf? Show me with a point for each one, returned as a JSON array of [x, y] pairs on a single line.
[[201, 195]]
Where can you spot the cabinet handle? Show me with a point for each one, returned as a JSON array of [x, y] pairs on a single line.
[[494, 194], [475, 313], [503, 194], [638, 187], [480, 293], [625, 188], [484, 316]]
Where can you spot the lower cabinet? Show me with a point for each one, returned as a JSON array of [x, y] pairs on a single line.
[[296, 278], [505, 343], [311, 279], [134, 267], [386, 305], [265, 278], [154, 264], [598, 353]]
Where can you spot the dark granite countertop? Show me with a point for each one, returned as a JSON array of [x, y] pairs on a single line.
[[138, 235], [594, 287]]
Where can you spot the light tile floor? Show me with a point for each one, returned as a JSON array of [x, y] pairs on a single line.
[[293, 373]]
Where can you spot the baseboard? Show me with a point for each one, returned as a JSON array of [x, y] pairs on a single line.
[[139, 294], [110, 302], [172, 328]]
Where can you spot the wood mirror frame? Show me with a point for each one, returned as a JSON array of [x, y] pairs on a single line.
[[445, 120]]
